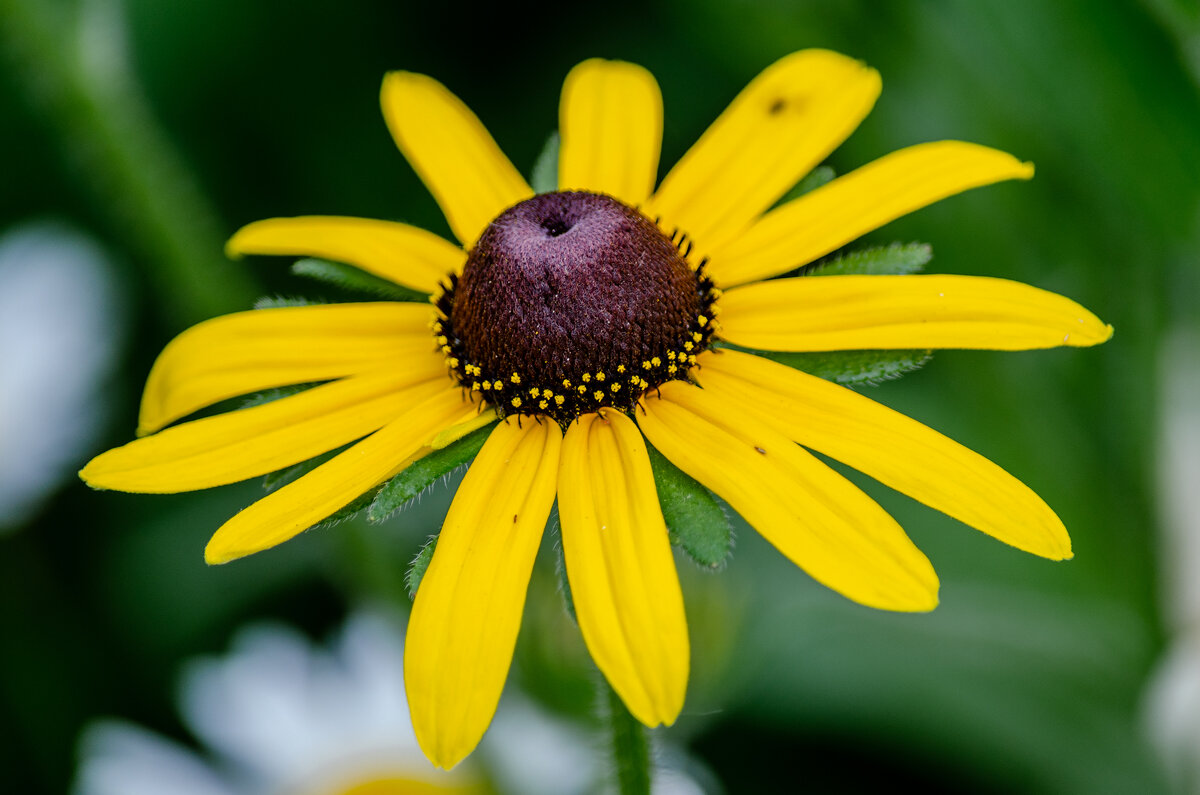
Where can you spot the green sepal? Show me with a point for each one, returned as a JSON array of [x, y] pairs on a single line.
[[560, 572], [276, 393], [544, 176], [347, 277], [821, 175], [850, 368], [416, 569], [422, 473], [895, 259], [696, 522], [274, 481], [282, 301]]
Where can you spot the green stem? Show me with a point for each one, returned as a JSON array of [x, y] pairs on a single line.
[[73, 65], [630, 750]]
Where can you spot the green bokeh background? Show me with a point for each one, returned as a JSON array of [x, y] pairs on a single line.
[[1027, 678]]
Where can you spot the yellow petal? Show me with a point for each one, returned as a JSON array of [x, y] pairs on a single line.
[[782, 125], [814, 516], [619, 563], [336, 483], [397, 252], [895, 450], [254, 441], [451, 152], [839, 313], [468, 609], [250, 351], [847, 208], [610, 119]]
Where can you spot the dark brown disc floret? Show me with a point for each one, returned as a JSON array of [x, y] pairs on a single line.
[[573, 301]]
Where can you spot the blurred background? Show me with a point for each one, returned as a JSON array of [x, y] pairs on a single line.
[[137, 136]]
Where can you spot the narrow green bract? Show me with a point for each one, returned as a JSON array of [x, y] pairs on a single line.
[[544, 177], [416, 569], [695, 520], [422, 473], [354, 280]]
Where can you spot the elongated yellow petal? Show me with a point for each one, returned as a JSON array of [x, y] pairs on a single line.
[[250, 351], [333, 485], [841, 313], [610, 119], [782, 125], [468, 609], [451, 152], [814, 516], [253, 441], [397, 252], [847, 208], [890, 447], [619, 563]]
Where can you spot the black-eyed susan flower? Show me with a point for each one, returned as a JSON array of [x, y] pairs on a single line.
[[589, 320]]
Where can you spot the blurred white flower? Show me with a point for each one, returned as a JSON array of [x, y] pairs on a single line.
[[1172, 703], [282, 716], [58, 329]]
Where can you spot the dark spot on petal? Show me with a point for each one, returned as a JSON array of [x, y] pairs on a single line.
[[777, 106], [761, 451]]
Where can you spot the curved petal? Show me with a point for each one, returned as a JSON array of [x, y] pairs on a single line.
[[468, 609], [451, 152], [299, 505], [253, 441], [620, 566], [844, 313], [249, 351], [847, 208], [778, 128], [818, 519], [895, 450], [394, 251], [610, 119]]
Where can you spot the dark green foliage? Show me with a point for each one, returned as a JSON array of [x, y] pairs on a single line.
[[352, 279], [416, 569], [422, 473]]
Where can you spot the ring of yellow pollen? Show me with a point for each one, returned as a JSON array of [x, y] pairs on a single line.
[[570, 302]]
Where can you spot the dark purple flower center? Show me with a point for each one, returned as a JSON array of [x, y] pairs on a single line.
[[573, 301]]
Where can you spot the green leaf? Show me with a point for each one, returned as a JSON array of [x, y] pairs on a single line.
[[350, 278], [421, 474], [544, 177], [898, 258], [695, 520], [851, 368], [278, 301], [560, 572], [416, 569], [819, 176]]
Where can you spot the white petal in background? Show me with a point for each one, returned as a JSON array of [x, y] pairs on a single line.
[[59, 331], [1172, 705], [278, 714]]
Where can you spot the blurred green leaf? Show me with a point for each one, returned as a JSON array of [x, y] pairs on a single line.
[[695, 520], [350, 278], [851, 368], [282, 301], [821, 175], [422, 473]]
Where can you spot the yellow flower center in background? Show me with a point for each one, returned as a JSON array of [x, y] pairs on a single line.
[[573, 301]]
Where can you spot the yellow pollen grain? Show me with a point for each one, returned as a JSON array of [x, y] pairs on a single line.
[[615, 388], [582, 389], [487, 385], [534, 391], [516, 402], [445, 349], [671, 355], [587, 377], [542, 404], [475, 387], [498, 385], [559, 399], [546, 393], [566, 383], [672, 369], [656, 361], [598, 395], [453, 362], [702, 320], [442, 339], [516, 379], [600, 376], [687, 346], [692, 358], [697, 336], [620, 368], [646, 365]]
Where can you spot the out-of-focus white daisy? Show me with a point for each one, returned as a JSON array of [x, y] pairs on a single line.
[[1172, 705], [281, 716], [58, 332]]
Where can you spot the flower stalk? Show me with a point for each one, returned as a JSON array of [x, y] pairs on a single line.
[[630, 748]]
